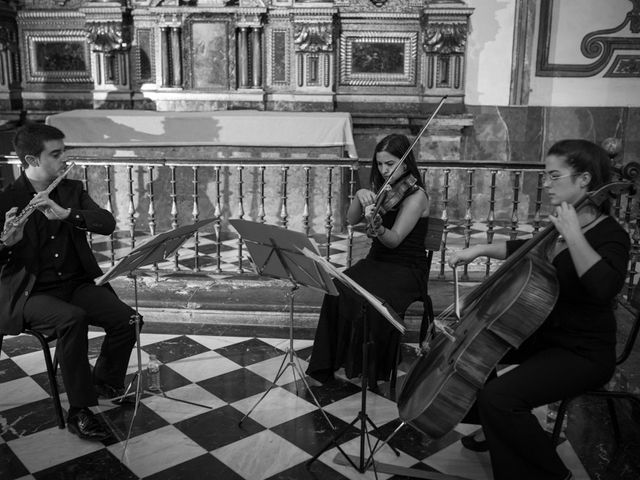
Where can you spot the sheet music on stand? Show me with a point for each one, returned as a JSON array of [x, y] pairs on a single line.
[[379, 305], [156, 249]]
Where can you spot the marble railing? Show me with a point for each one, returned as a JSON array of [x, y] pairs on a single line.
[[479, 202]]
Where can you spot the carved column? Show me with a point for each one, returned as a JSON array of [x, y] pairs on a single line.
[[165, 60], [249, 58], [176, 57], [170, 29], [256, 50], [243, 58]]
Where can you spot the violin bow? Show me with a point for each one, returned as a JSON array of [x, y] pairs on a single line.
[[385, 185]]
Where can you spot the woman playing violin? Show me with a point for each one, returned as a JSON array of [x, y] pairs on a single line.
[[574, 350], [394, 270]]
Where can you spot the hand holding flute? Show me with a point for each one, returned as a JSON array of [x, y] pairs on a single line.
[[14, 223]]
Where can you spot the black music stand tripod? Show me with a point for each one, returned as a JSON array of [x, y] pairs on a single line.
[[276, 253], [158, 248], [369, 300]]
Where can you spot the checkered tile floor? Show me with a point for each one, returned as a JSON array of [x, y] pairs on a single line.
[[175, 440]]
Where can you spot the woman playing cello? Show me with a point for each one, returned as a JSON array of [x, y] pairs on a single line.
[[574, 350], [393, 270]]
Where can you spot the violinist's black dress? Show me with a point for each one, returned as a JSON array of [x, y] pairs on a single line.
[[397, 276]]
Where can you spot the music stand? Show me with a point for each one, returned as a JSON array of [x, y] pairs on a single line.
[[276, 253], [362, 417], [156, 249]]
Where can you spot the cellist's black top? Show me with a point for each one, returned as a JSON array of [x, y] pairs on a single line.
[[582, 319]]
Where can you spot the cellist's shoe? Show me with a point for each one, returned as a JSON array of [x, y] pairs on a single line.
[[470, 443]]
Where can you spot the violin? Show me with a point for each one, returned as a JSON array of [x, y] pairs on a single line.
[[390, 197]]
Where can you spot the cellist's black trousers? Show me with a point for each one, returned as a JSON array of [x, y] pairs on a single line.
[[519, 446], [68, 310]]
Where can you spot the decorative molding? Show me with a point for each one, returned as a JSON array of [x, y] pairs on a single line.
[[310, 37], [378, 58], [624, 66], [445, 38], [596, 45], [280, 54], [106, 37], [58, 57]]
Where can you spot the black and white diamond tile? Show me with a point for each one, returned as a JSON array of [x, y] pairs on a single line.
[[199, 430]]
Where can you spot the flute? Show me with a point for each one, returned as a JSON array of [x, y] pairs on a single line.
[[10, 227]]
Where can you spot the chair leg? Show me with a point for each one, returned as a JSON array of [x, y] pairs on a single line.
[[394, 376], [51, 373], [557, 426]]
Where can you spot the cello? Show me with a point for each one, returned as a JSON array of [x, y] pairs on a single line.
[[498, 315]]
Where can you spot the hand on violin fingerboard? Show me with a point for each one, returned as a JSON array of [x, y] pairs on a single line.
[[365, 197]]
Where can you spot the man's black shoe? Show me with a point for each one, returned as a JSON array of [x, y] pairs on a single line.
[[85, 424], [115, 394]]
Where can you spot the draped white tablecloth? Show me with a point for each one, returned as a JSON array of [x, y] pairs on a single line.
[[131, 128]]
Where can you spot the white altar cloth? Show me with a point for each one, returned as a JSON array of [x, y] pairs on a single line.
[[143, 128]]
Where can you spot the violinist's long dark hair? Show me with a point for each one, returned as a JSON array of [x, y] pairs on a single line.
[[585, 156], [396, 145]]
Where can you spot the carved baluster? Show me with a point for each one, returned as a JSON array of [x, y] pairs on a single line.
[[491, 218], [109, 207], [195, 215], [516, 201], [217, 223], [85, 184], [635, 254], [538, 207], [307, 195], [261, 211], [329, 217], [353, 169], [240, 214], [132, 207], [445, 219], [152, 209], [468, 219], [173, 194], [284, 215]]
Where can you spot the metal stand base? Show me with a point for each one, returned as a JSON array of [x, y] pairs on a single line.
[[137, 377], [363, 462], [295, 365]]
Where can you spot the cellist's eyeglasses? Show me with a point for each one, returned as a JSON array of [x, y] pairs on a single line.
[[552, 177]]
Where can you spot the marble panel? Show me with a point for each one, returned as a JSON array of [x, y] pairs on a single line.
[[488, 139]]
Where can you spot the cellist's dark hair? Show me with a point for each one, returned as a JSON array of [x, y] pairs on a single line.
[[396, 144], [585, 156]]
